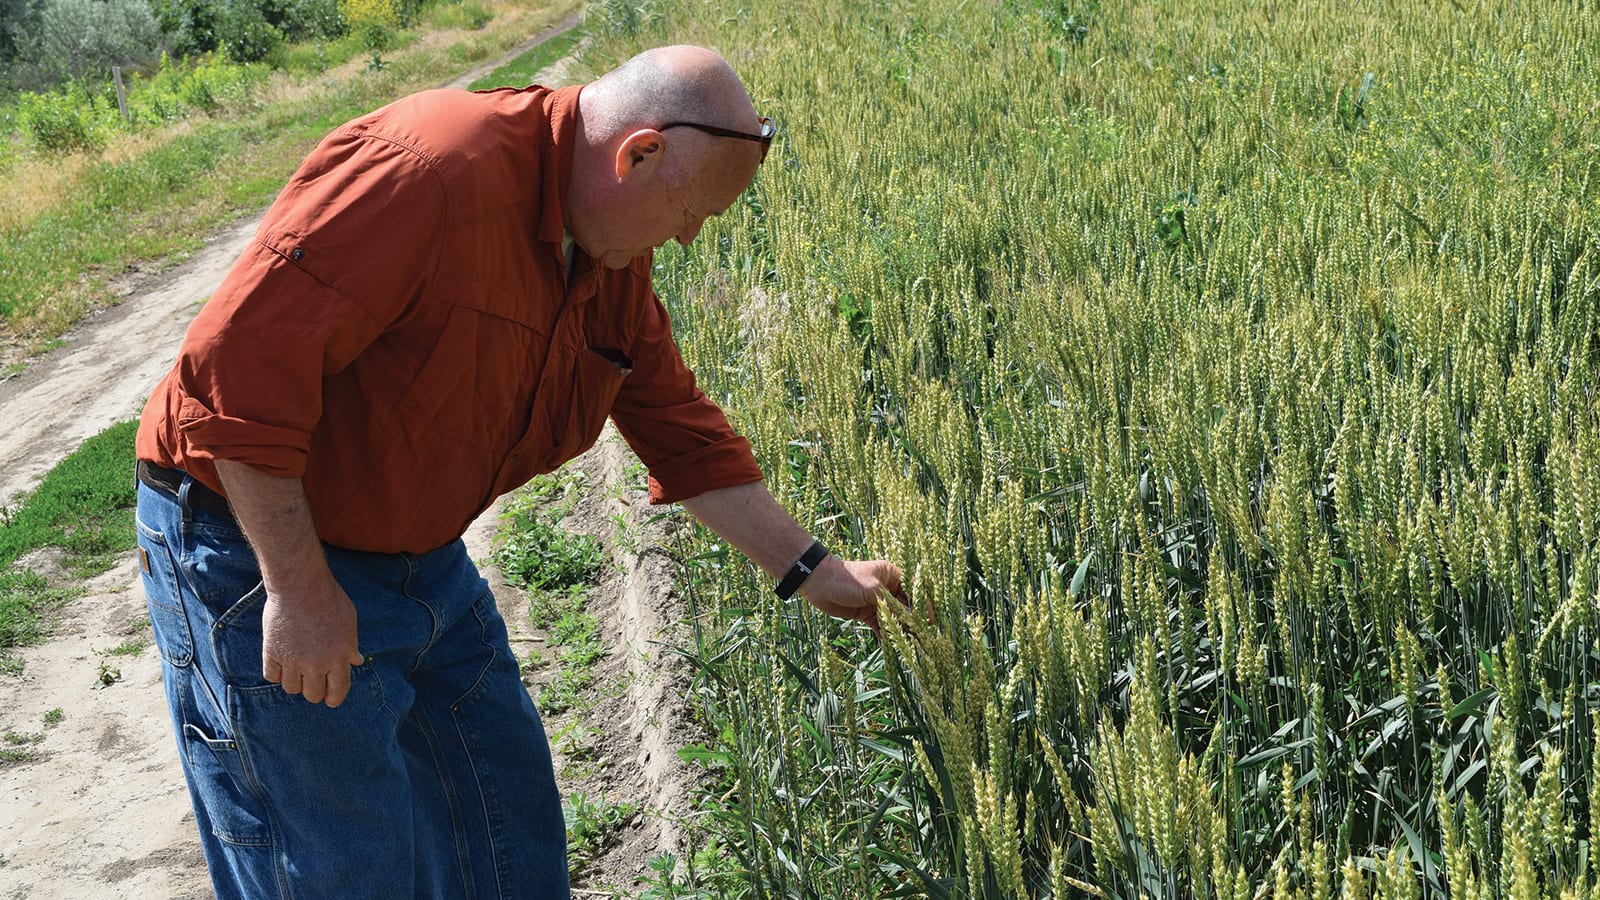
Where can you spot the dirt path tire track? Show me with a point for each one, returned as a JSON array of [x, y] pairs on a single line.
[[102, 812]]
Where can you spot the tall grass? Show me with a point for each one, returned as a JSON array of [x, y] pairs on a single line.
[[1224, 378]]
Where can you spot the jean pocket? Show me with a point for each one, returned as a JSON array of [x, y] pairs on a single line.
[[236, 813], [158, 571], [236, 639], [217, 563]]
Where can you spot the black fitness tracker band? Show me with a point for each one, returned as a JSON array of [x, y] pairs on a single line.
[[798, 572]]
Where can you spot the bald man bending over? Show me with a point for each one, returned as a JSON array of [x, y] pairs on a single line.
[[450, 297]]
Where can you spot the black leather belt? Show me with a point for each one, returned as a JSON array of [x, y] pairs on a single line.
[[169, 481]]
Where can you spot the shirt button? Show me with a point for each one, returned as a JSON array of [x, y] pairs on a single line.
[[297, 254]]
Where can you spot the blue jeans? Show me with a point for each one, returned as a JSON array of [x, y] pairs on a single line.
[[432, 779]]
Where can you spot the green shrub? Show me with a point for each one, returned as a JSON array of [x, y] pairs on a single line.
[[154, 99], [73, 119], [189, 25], [244, 30], [304, 20], [244, 34]]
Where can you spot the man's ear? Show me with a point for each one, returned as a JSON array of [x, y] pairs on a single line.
[[639, 152]]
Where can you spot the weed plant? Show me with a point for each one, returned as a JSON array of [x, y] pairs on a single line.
[[536, 553], [1224, 379]]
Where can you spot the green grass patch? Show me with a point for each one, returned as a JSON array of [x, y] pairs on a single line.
[[467, 15], [520, 71], [129, 647], [25, 598], [85, 506]]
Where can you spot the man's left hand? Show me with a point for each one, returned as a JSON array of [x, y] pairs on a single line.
[[849, 589]]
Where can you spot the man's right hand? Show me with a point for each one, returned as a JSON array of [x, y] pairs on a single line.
[[309, 624], [309, 642]]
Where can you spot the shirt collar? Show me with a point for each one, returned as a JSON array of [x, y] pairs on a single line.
[[561, 113]]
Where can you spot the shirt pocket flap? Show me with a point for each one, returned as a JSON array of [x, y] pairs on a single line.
[[512, 306]]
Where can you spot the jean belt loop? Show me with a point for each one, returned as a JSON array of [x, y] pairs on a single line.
[[183, 498]]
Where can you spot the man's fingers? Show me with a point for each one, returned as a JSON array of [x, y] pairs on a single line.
[[894, 585], [271, 669], [338, 686], [315, 687], [292, 681]]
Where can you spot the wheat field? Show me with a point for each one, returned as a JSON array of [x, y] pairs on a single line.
[[1224, 377]]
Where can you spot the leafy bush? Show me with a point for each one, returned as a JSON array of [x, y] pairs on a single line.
[[17, 18], [189, 25], [213, 83], [374, 21], [73, 119], [303, 20], [243, 32]]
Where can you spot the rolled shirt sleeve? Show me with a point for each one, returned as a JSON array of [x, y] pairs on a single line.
[[346, 249], [680, 434]]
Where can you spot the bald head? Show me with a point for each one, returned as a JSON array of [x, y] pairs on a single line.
[[637, 183], [666, 84]]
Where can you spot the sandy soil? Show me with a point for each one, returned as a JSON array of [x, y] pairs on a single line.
[[101, 810]]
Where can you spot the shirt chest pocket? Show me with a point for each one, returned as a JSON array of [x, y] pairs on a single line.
[[477, 383], [579, 388]]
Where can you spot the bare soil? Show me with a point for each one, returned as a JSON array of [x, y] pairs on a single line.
[[93, 799]]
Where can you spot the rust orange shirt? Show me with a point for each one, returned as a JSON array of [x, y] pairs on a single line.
[[402, 333]]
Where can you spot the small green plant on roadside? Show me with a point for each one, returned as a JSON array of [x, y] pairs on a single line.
[[55, 716], [625, 532], [574, 740], [129, 647], [19, 747], [108, 675], [707, 875], [590, 824], [530, 664], [533, 551], [575, 635]]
